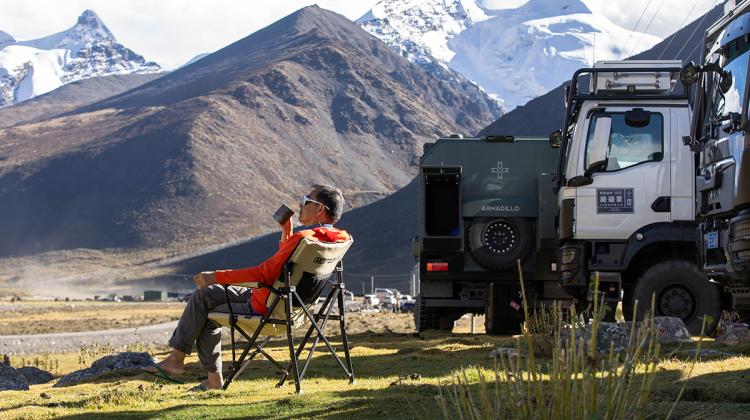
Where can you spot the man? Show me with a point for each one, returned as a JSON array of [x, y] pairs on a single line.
[[318, 211]]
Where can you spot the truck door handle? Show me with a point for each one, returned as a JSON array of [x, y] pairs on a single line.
[[662, 205]]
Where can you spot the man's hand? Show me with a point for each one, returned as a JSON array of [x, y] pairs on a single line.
[[286, 230], [205, 279]]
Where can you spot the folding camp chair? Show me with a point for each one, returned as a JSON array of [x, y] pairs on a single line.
[[290, 304]]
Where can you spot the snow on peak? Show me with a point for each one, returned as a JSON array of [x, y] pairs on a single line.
[[89, 28], [421, 28], [87, 49], [515, 54]]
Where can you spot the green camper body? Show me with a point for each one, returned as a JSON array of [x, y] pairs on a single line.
[[470, 190]]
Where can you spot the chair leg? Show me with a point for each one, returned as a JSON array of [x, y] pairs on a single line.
[[251, 341], [344, 337], [292, 353], [323, 337], [251, 356], [327, 307], [239, 361], [330, 301]]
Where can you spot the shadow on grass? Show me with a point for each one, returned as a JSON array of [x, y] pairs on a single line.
[[415, 399]]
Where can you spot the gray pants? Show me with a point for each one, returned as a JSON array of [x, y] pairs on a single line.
[[195, 327]]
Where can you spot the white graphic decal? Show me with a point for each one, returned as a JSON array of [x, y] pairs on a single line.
[[500, 171]]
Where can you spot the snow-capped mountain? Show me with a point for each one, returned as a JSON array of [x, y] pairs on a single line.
[[514, 54], [88, 49]]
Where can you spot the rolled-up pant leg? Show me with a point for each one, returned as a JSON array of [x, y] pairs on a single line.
[[195, 327]]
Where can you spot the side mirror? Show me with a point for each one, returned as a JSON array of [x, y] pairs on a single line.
[[555, 139], [598, 148], [726, 82], [689, 74]]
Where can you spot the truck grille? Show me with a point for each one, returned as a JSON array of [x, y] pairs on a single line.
[[740, 230]]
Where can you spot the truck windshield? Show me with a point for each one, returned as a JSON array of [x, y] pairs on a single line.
[[733, 59]]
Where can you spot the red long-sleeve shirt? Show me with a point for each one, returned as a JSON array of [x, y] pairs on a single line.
[[269, 270]]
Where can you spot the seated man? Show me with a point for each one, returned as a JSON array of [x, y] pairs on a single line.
[[319, 210]]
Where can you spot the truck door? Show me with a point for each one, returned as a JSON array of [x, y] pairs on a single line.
[[631, 188]]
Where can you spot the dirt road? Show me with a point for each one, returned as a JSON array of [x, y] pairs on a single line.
[[72, 341]]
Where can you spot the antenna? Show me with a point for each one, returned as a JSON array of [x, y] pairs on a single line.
[[593, 52]]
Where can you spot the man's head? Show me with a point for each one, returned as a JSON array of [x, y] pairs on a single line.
[[323, 204]]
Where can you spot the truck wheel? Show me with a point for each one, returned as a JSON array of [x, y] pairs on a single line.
[[682, 291], [426, 318], [503, 313], [498, 243]]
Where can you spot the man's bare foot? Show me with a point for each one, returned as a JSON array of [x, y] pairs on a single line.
[[214, 380], [170, 364]]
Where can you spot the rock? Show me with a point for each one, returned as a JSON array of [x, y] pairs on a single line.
[[734, 336], [671, 330], [608, 332], [11, 379], [507, 351], [35, 376], [127, 363]]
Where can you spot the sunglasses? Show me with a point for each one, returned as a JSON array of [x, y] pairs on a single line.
[[307, 199]]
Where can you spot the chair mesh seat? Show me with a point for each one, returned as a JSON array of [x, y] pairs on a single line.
[[248, 323]]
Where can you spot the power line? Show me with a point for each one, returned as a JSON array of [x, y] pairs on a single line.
[[682, 24], [649, 23], [634, 28], [699, 25]]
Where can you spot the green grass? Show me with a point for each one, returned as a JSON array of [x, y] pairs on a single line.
[[382, 364]]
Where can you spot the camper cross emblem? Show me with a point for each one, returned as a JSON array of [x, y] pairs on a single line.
[[500, 171]]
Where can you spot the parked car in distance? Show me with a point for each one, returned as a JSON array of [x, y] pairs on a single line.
[[382, 293], [406, 303], [371, 301]]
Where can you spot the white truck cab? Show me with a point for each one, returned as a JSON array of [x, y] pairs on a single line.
[[626, 191]]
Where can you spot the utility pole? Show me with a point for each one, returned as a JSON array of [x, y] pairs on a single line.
[[372, 284]]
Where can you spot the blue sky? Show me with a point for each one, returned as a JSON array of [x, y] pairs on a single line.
[[171, 32]]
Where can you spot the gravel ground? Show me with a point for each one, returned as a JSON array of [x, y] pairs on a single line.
[[72, 341]]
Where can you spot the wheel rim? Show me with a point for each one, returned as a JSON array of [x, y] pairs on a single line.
[[678, 302], [500, 238]]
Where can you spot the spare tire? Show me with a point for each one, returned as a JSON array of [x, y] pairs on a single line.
[[498, 243]]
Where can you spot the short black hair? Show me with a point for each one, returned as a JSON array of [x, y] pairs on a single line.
[[332, 198]]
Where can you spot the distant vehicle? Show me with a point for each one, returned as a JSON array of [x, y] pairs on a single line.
[[389, 300], [396, 293], [382, 293], [406, 303], [371, 301]]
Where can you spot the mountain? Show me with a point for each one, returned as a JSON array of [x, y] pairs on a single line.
[[204, 154], [88, 49], [513, 54], [545, 114], [71, 96]]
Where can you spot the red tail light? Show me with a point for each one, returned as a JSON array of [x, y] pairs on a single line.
[[437, 266]]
